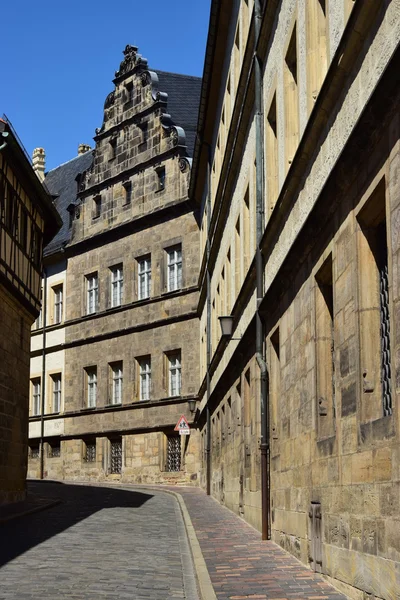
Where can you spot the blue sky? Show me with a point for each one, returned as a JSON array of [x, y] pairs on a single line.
[[59, 59]]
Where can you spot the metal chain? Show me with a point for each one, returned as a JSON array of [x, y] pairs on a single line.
[[385, 340]]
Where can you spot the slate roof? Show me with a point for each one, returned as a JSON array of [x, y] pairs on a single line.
[[61, 181], [183, 102]]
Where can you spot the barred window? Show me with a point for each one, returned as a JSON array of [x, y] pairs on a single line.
[[54, 449], [144, 278], [174, 268], [34, 451], [90, 451], [116, 456], [173, 462]]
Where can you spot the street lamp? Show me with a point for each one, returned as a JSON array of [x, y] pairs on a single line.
[[192, 405], [226, 323]]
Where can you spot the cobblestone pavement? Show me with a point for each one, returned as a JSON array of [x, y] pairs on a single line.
[[240, 565], [98, 543]]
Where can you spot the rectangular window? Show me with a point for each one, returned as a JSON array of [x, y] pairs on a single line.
[[174, 267], [129, 91], [92, 289], [116, 456], [325, 349], [56, 384], [173, 462], [117, 285], [91, 383], [89, 451], [175, 377], [316, 48], [34, 451], [271, 135], [145, 378], [54, 449], [23, 229], [374, 308], [57, 304], [112, 148], [36, 397], [161, 178], [117, 378], [275, 383], [39, 321], [144, 278], [96, 207], [128, 192]]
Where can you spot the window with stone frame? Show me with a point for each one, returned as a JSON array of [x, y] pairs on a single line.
[[116, 372], [174, 373], [144, 277], [116, 455], [96, 207], [34, 450], [91, 386], [56, 393], [173, 453], [117, 285], [144, 377], [57, 304], [92, 293], [54, 448], [89, 450], [36, 396], [174, 268], [160, 171], [127, 185]]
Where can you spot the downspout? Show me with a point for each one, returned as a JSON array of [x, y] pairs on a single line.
[[260, 345], [208, 283], [43, 386]]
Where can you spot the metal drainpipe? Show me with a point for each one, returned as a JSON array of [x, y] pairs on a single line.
[[208, 381], [260, 345], [43, 386]]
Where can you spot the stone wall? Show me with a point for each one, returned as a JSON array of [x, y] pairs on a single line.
[[15, 324]]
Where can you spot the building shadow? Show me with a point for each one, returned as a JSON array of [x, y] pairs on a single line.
[[77, 502]]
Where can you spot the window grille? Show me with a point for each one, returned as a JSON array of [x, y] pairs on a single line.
[[175, 379], [92, 293], [144, 278], [174, 268], [173, 453], [385, 324], [117, 286], [90, 454], [56, 393], [58, 299], [34, 452], [36, 397], [145, 378], [54, 450], [91, 387], [116, 456]]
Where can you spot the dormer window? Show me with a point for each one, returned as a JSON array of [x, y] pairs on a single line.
[[161, 178]]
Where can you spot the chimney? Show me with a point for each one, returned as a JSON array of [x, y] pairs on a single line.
[[39, 162], [82, 148]]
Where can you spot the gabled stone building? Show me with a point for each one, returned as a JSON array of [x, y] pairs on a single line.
[[296, 169], [121, 330], [28, 220]]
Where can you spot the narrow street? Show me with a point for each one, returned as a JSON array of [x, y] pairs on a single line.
[[97, 543]]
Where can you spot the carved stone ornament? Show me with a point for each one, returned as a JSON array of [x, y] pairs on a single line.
[[129, 62], [145, 78], [183, 164], [174, 137], [110, 99], [77, 212]]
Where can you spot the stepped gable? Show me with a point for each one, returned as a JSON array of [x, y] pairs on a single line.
[[62, 182]]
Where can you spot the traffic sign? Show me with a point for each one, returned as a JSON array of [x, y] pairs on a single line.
[[182, 426]]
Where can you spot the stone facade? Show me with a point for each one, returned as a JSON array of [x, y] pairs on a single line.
[[27, 219], [327, 183], [130, 326]]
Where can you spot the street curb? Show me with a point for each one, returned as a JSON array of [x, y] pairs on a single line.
[[203, 578], [29, 511]]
